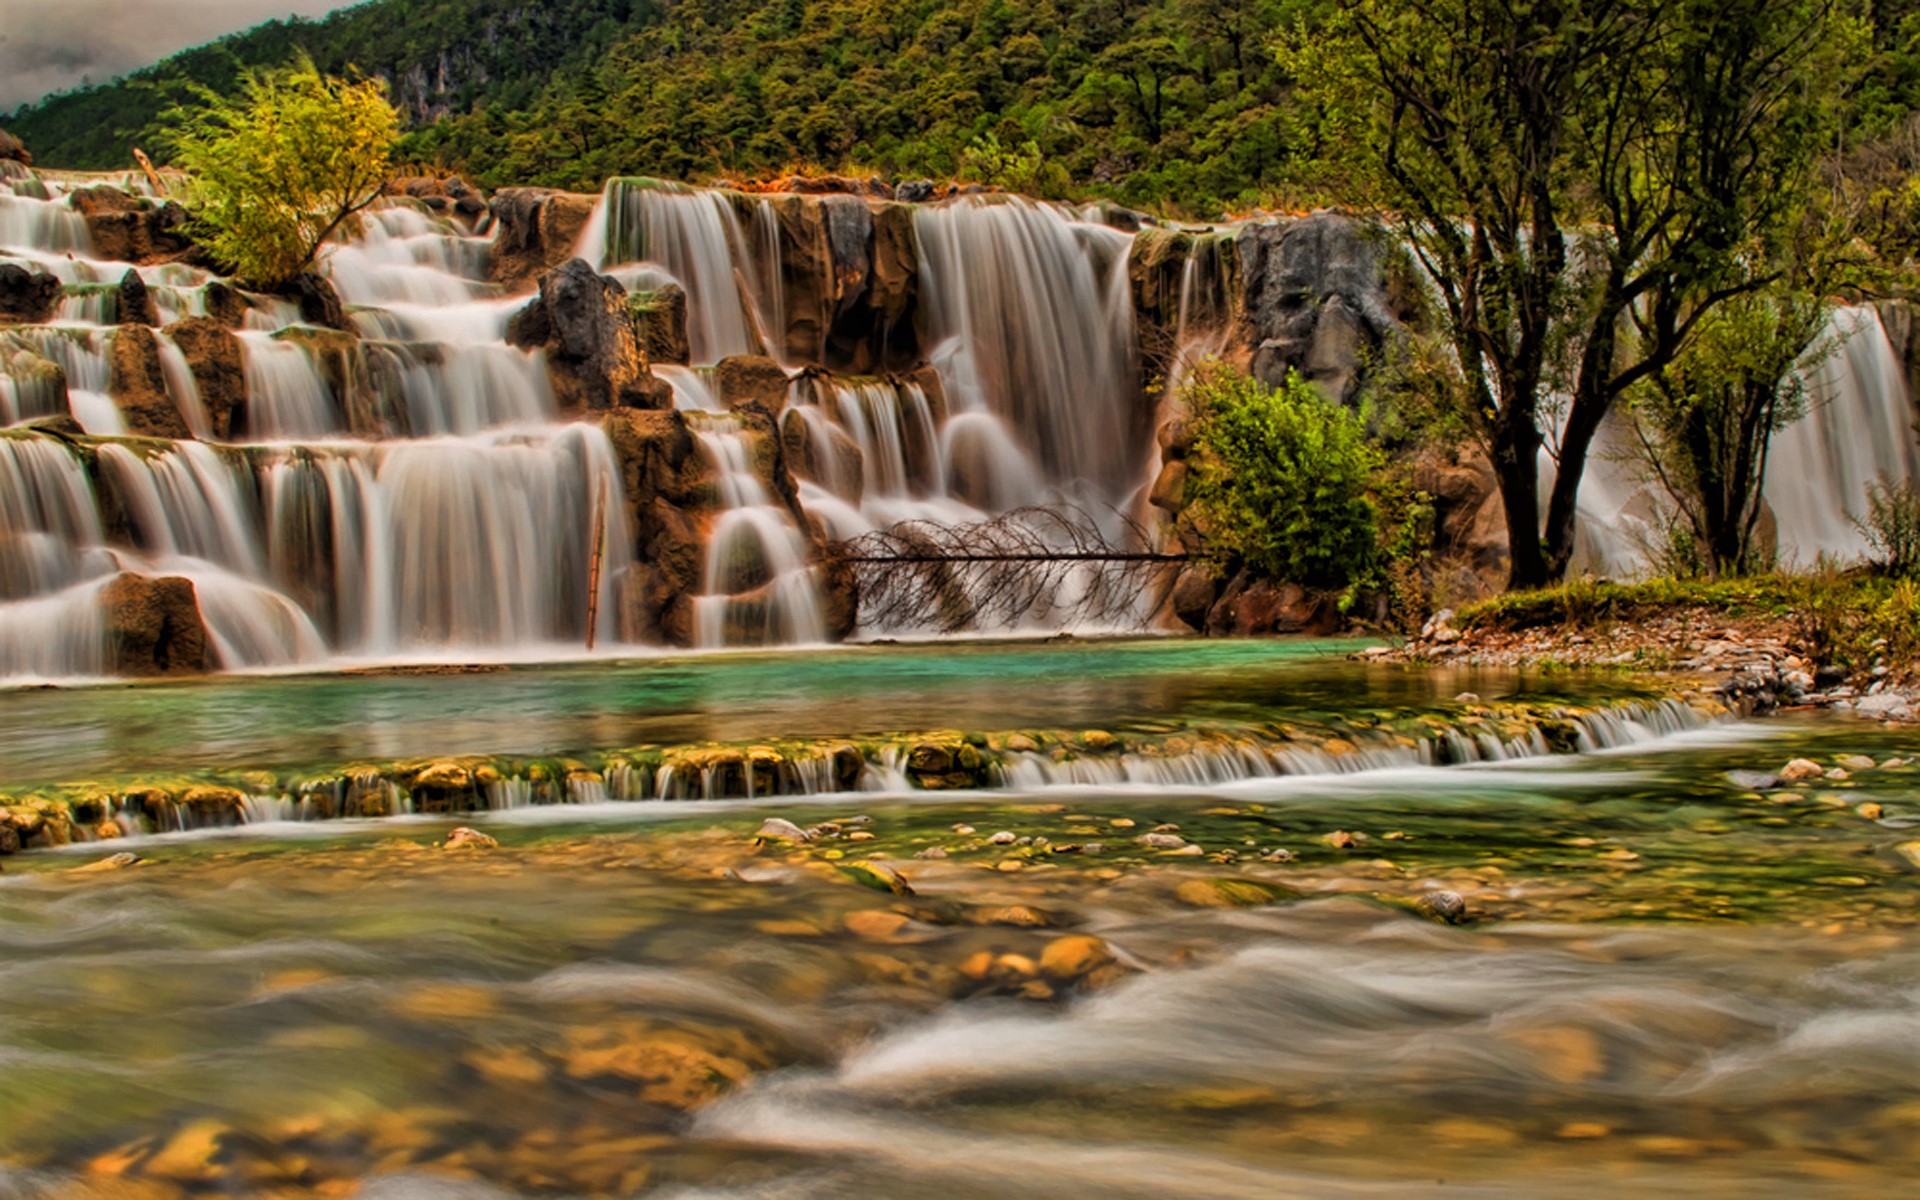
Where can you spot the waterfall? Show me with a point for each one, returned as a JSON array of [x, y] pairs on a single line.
[[1037, 315], [287, 396], [470, 526], [693, 238], [758, 586], [1858, 431]]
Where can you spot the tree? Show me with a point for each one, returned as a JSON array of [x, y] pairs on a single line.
[[287, 162], [1705, 422], [1583, 181]]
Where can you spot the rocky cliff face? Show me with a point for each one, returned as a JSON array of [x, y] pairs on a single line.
[[1314, 298]]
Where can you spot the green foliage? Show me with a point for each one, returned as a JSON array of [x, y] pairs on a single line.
[[1892, 528], [1280, 478], [284, 164], [1582, 182], [1159, 103], [1705, 421]]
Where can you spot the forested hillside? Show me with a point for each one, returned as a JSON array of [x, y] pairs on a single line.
[[1173, 104], [439, 56]]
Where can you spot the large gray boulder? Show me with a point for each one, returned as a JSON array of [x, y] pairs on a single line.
[[594, 354], [1314, 298]]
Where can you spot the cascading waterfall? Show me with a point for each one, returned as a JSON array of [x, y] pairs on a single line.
[[1035, 315], [416, 492], [1858, 431], [693, 238], [759, 584], [475, 525]]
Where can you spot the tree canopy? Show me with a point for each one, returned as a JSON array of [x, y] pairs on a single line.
[[281, 166]]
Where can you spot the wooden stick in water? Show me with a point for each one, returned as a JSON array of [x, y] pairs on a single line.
[[593, 567]]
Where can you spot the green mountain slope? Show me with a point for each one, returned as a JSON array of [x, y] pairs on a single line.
[[1146, 100], [1171, 104], [439, 56]]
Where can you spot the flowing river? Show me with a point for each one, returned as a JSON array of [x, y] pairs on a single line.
[[1660, 982]]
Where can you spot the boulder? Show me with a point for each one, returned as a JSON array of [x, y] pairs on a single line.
[[536, 230], [136, 305], [154, 626], [1257, 606], [131, 229], [139, 386], [582, 320], [914, 191], [751, 379], [27, 297], [661, 318], [1314, 299], [14, 149], [219, 370], [319, 303]]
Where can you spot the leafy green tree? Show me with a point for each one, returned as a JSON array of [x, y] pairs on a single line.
[[1705, 422], [1279, 478], [288, 162], [1583, 182]]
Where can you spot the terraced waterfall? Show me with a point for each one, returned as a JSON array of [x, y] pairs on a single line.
[[490, 751]]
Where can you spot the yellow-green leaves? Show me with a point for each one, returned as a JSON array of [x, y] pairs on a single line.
[[282, 165]]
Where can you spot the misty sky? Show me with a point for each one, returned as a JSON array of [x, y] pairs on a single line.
[[50, 44]]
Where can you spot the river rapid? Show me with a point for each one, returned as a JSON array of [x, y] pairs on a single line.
[[1658, 982]]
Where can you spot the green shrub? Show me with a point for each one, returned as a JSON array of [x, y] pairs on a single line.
[[1892, 528], [1279, 479]]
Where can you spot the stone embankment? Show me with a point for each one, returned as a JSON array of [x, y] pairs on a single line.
[[1754, 664]]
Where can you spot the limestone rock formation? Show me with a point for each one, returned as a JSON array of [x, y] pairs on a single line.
[[848, 281], [139, 387], [661, 317], [155, 627], [219, 371], [537, 229], [594, 355], [1256, 606], [130, 229], [26, 297], [1314, 299], [225, 304], [668, 487], [448, 195], [823, 454], [750, 379], [136, 303], [319, 303]]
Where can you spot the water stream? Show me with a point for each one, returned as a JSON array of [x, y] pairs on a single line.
[[1661, 982]]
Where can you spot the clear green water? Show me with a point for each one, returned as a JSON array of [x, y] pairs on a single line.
[[311, 720], [1666, 984]]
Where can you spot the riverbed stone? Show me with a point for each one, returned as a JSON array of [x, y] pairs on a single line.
[[1800, 770]]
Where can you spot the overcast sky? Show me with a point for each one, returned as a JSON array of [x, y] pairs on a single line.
[[50, 44]]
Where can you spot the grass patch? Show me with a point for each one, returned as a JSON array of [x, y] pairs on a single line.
[[1851, 619]]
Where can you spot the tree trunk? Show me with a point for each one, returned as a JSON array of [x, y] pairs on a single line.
[[1516, 463]]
